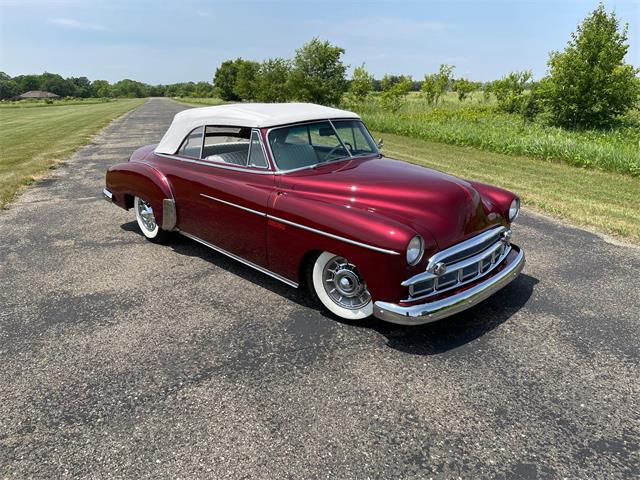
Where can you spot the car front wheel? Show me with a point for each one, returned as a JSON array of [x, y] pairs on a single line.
[[338, 285], [147, 221]]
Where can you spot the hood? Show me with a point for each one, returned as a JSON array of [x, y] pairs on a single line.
[[438, 206]]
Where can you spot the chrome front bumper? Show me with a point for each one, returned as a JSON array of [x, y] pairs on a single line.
[[107, 195], [432, 311]]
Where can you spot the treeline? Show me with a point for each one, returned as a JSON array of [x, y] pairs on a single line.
[[82, 87], [588, 84]]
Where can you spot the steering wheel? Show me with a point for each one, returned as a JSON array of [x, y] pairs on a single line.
[[326, 157]]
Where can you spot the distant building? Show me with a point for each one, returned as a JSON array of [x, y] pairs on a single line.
[[37, 94]]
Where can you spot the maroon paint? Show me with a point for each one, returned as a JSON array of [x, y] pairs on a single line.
[[374, 200]]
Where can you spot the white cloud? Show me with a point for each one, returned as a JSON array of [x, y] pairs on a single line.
[[77, 25]]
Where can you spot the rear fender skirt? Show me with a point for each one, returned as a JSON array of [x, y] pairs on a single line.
[[143, 180]]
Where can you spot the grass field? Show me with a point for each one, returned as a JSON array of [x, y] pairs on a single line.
[[35, 139], [478, 124], [605, 201]]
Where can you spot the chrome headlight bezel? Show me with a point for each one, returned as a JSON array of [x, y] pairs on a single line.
[[514, 209], [415, 250]]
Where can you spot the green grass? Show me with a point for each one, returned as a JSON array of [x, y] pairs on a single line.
[[605, 201], [54, 103], [35, 139], [478, 124], [199, 102]]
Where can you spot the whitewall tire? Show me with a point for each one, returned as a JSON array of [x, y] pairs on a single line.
[[147, 220], [340, 288]]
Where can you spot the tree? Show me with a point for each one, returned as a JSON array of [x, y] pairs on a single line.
[[464, 88], [318, 74], [130, 89], [271, 81], [510, 91], [435, 84], [394, 93], [8, 87], [224, 80], [54, 83], [203, 90], [361, 83], [101, 88], [246, 71], [589, 84]]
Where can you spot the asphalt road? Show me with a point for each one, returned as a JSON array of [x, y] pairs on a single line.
[[121, 358]]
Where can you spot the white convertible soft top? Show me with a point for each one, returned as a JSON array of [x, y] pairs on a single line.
[[252, 115]]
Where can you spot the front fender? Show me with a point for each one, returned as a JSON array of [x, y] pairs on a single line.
[[130, 179], [374, 243]]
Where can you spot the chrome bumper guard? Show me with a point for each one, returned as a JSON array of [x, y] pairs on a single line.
[[432, 311], [107, 195]]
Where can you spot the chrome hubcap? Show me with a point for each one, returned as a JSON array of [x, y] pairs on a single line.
[[146, 215], [343, 284]]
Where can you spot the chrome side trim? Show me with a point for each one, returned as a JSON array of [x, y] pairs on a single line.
[[432, 311], [331, 235], [255, 212], [303, 227], [169, 215], [107, 195], [291, 283], [462, 246]]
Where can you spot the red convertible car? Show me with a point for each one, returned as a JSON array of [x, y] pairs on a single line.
[[302, 193]]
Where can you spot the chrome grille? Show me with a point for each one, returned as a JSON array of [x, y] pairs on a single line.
[[464, 262]]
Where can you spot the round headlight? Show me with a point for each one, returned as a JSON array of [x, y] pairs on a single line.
[[514, 208], [415, 249]]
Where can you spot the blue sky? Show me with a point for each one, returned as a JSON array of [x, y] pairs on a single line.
[[172, 41]]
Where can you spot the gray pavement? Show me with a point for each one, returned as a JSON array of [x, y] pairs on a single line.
[[121, 358]]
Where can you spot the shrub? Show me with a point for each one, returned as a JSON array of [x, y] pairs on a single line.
[[510, 91], [435, 84], [361, 83], [589, 84], [394, 94], [464, 88]]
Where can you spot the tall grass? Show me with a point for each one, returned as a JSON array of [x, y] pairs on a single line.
[[478, 124]]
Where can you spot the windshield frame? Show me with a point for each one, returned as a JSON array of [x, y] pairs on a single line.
[[280, 171]]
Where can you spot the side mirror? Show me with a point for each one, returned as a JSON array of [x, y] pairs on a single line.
[[380, 143]]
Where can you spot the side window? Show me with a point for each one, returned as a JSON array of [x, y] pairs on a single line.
[[192, 145], [256, 154]]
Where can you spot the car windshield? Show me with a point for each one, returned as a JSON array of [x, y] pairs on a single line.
[[310, 144]]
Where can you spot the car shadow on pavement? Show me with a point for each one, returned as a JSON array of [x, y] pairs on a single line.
[[430, 339], [460, 329]]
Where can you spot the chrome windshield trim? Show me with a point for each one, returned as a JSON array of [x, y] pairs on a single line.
[[259, 171], [331, 235], [246, 209], [462, 246], [278, 171], [242, 260]]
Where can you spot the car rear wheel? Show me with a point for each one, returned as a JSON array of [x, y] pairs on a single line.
[[339, 287], [147, 221]]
